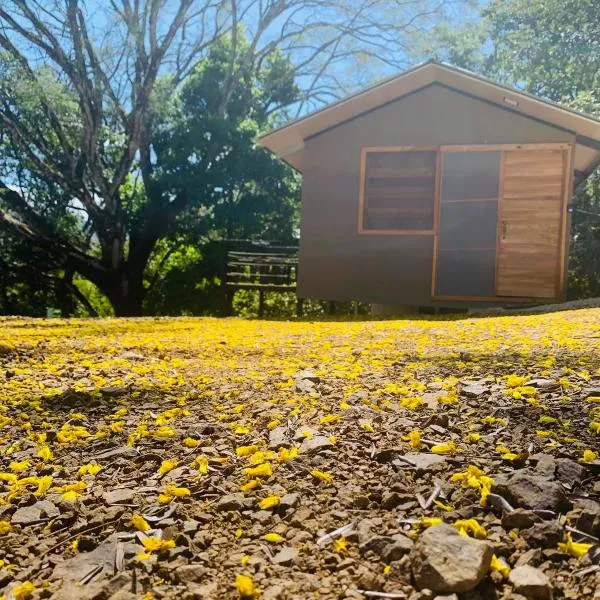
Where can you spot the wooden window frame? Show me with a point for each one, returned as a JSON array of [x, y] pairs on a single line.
[[564, 225], [361, 196]]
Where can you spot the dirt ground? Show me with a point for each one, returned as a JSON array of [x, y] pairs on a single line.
[[210, 458]]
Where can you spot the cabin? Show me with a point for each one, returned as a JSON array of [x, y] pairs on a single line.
[[437, 187]]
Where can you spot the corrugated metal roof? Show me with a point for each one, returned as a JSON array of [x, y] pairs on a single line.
[[287, 141]]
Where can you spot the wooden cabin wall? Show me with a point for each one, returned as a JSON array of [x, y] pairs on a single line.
[[338, 263]]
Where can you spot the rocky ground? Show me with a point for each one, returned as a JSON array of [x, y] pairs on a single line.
[[202, 458]]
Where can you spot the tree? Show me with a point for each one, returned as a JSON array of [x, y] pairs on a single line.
[[82, 85]]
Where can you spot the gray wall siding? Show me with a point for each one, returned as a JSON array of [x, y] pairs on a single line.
[[338, 264]]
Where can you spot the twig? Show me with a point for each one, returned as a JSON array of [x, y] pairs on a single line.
[[390, 595], [329, 537], [582, 533], [436, 492], [499, 502]]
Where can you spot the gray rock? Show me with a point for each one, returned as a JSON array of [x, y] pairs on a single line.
[[421, 461], [314, 444], [530, 582], [194, 573], [278, 438], [546, 534], [473, 389], [531, 557], [121, 451], [522, 489], [568, 471], [26, 515], [520, 518], [262, 516], [285, 556], [586, 516], [118, 496], [309, 375], [191, 526], [304, 385], [47, 509], [393, 499], [447, 597], [230, 502], [546, 465], [289, 501], [445, 562], [388, 548]]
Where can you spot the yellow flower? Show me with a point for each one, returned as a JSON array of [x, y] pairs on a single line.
[[543, 433], [88, 469], [70, 496], [241, 430], [201, 463], [5, 527], [166, 466], [246, 450], [245, 586], [45, 453], [286, 454], [274, 423], [164, 432], [447, 448], [23, 591], [595, 426], [387, 569], [446, 507], [513, 381], [238, 533], [43, 485], [139, 523], [263, 470], [269, 502], [19, 467], [546, 420], [368, 427], [474, 478], [189, 442], [340, 545], [308, 434], [411, 403], [171, 492], [472, 438], [260, 457], [274, 538], [252, 484], [321, 475], [245, 560], [588, 456], [153, 544], [425, 522], [499, 564], [575, 549], [413, 438], [466, 526]]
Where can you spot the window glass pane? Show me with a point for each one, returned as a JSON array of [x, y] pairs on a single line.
[[399, 190]]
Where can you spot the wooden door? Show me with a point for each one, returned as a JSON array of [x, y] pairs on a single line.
[[530, 222]]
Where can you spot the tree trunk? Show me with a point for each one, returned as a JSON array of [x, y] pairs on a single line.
[[127, 295]]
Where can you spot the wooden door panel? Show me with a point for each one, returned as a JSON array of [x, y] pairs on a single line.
[[530, 223]]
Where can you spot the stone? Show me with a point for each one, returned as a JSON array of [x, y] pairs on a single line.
[[301, 516], [121, 451], [474, 390], [278, 438], [285, 556], [530, 582], [546, 465], [230, 502], [193, 573], [314, 444], [421, 461], [304, 385], [521, 489], [47, 509], [447, 597], [190, 526], [445, 562], [531, 557], [520, 518], [26, 515], [309, 375], [546, 534], [289, 501], [568, 471], [586, 516], [393, 499], [118, 496], [388, 548]]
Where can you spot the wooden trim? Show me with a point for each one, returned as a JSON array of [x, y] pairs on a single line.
[[362, 198], [500, 147], [468, 200], [568, 172], [361, 190], [368, 149], [437, 203], [503, 299], [395, 232], [499, 219]]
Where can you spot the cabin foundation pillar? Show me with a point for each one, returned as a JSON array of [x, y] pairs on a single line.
[[391, 310]]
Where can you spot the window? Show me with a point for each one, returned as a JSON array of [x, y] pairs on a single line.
[[397, 191]]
